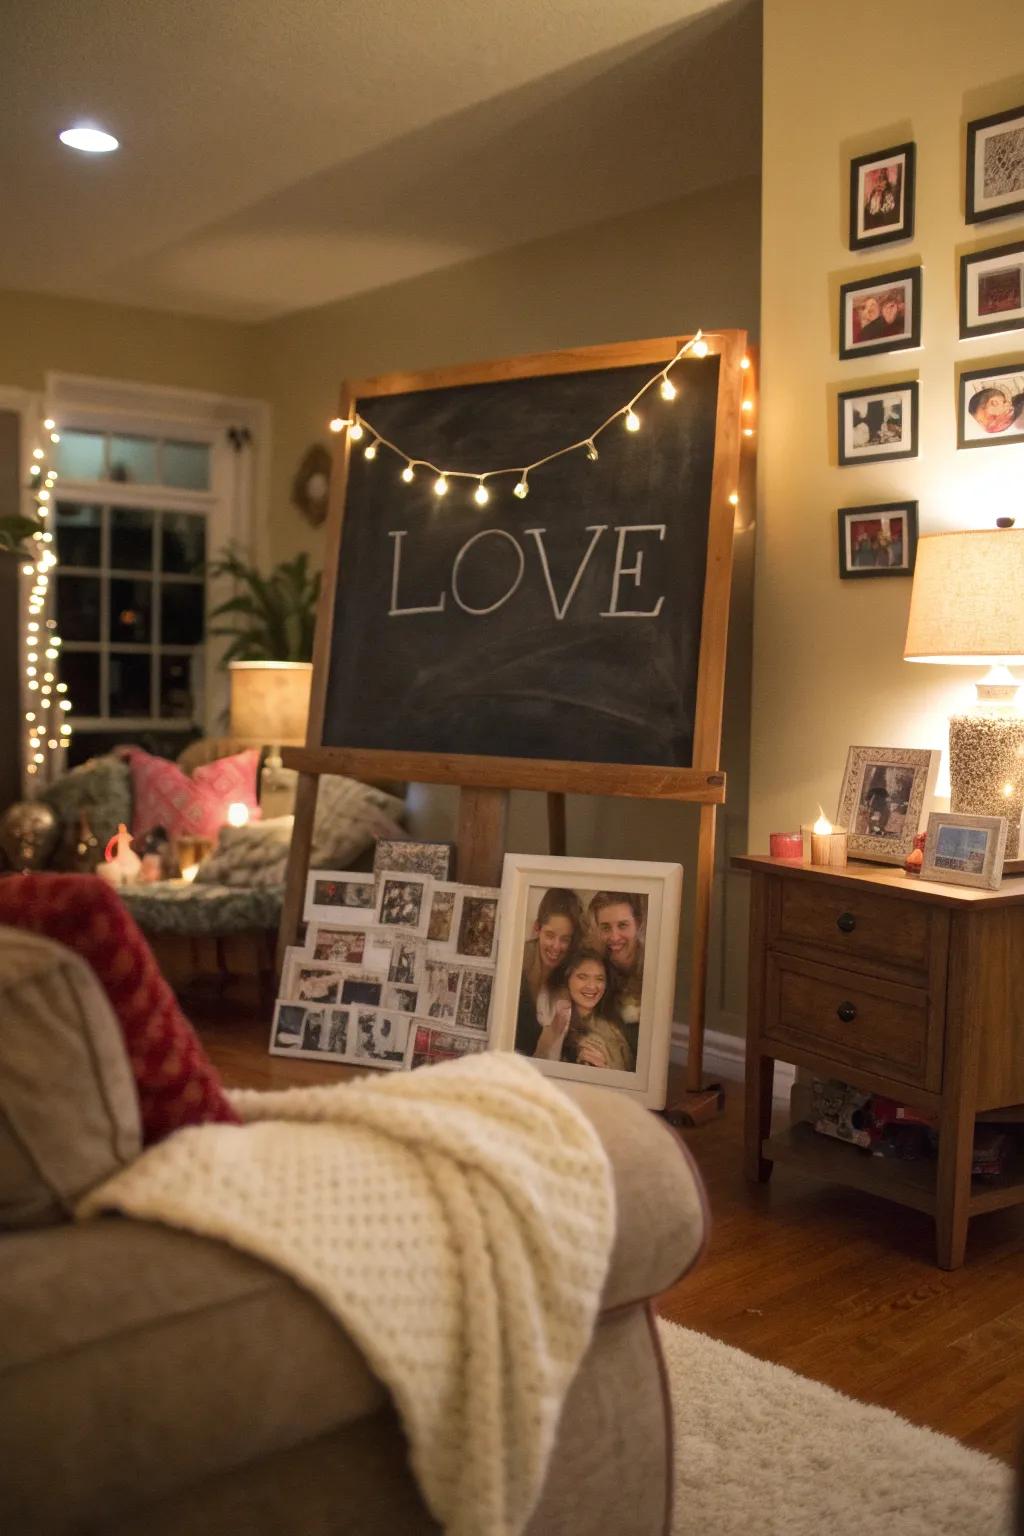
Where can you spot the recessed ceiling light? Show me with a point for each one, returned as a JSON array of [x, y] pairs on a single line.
[[92, 140]]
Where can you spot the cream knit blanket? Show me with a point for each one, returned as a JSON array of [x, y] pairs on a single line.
[[457, 1221]]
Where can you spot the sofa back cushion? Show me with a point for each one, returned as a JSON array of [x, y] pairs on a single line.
[[196, 806], [69, 1112]]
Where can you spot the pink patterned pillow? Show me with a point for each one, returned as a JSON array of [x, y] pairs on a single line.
[[197, 806]]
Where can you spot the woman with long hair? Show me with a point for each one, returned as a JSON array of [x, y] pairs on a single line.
[[583, 1028], [556, 932], [617, 919]]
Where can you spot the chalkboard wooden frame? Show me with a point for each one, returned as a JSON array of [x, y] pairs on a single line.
[[703, 781]]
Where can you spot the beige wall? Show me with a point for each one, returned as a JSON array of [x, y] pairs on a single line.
[[691, 262], [828, 668], [41, 334]]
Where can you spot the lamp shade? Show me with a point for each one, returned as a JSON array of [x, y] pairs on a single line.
[[965, 606], [270, 702]]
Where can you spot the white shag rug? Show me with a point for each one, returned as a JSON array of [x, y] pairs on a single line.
[[761, 1451]]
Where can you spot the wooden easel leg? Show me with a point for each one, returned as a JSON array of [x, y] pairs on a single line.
[[298, 864], [483, 829], [701, 1102], [556, 825]]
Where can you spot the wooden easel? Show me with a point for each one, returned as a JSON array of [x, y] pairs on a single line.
[[485, 782]]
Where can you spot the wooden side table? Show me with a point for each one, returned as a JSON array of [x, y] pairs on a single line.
[[896, 985]]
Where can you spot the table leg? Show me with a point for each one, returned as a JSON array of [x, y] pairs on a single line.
[[760, 1083], [953, 1191]]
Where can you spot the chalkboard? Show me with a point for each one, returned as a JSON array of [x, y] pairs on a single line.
[[566, 626]]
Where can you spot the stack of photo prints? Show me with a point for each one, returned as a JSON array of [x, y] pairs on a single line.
[[398, 966]]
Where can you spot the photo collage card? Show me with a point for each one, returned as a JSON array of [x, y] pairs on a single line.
[[397, 969]]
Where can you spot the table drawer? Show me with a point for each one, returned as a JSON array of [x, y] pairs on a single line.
[[856, 923], [855, 1020]]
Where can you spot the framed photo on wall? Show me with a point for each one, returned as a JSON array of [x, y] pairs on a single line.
[[877, 424], [990, 405], [992, 291], [882, 800], [882, 197], [965, 850], [879, 540], [883, 315], [995, 166], [587, 969]]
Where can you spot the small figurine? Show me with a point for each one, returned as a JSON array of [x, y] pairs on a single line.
[[121, 866]]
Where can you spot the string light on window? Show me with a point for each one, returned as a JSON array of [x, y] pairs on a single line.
[[357, 426], [47, 724]]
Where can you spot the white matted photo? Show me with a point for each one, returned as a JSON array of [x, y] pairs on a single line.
[[305, 980], [406, 960], [399, 998], [440, 995], [311, 1032], [441, 923], [394, 854], [990, 406], [364, 988], [403, 903], [586, 970], [877, 424], [379, 1038], [882, 197], [340, 897], [340, 945], [882, 315], [965, 850], [429, 1045], [476, 993], [995, 166], [883, 799], [475, 928], [992, 290]]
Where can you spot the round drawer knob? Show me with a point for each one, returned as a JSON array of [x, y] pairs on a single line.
[[847, 1012], [846, 922]]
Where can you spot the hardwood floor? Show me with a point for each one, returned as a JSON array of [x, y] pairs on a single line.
[[835, 1284]]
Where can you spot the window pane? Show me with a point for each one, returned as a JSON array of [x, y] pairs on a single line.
[[133, 459], [80, 455], [78, 607], [129, 684], [131, 539], [181, 612], [81, 671], [184, 543], [131, 610], [78, 533], [186, 465], [177, 694]]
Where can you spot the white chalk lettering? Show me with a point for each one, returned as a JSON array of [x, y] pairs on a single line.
[[484, 534], [437, 607], [636, 571], [538, 533]]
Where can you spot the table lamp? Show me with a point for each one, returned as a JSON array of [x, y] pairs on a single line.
[[269, 708], [966, 610]]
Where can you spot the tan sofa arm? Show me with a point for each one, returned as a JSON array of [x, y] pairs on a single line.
[[662, 1210]]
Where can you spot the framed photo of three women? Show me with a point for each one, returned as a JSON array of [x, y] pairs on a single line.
[[586, 973]]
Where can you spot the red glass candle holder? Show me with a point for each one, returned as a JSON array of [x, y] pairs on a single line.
[[786, 845]]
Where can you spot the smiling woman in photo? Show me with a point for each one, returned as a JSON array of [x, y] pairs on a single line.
[[582, 1029], [556, 931]]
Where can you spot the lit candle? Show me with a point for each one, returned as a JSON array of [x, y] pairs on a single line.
[[828, 843], [189, 872], [238, 814]]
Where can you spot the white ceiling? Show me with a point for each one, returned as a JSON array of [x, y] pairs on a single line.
[[278, 154]]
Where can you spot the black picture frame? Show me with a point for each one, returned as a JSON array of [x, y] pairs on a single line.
[[973, 212], [876, 288], [980, 258], [1010, 370], [849, 569], [862, 239], [848, 454]]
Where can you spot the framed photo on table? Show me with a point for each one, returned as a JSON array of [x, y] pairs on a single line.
[[880, 315], [878, 424], [883, 799], [990, 406], [995, 166], [586, 970], [965, 850], [992, 291], [882, 197], [878, 540]]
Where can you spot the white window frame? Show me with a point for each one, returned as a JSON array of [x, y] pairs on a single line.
[[234, 504]]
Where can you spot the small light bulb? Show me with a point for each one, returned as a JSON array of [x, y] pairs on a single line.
[[51, 744], [33, 685], [745, 363], [37, 453], [668, 389], [33, 628], [701, 348], [27, 570], [43, 495], [521, 489], [47, 677], [592, 451], [440, 486], [481, 495], [355, 431], [49, 423], [54, 437], [39, 758], [1007, 790], [748, 431], [734, 500], [37, 469], [30, 671], [65, 703], [370, 451], [62, 687], [408, 474], [30, 715], [632, 421], [748, 405], [53, 474], [336, 423], [65, 730]]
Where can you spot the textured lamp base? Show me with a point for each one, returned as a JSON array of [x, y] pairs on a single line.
[[986, 770]]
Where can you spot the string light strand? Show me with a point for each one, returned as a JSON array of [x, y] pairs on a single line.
[[48, 729]]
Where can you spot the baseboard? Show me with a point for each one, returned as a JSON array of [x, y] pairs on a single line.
[[725, 1056]]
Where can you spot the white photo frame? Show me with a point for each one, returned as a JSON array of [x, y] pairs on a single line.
[[965, 850], [340, 897], [474, 936], [403, 902], [379, 1038], [656, 891], [296, 1025], [341, 945], [444, 905]]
